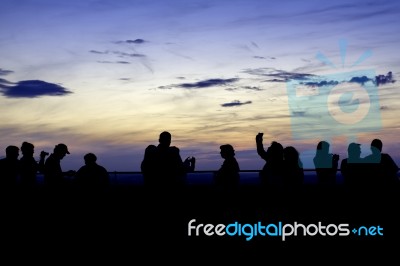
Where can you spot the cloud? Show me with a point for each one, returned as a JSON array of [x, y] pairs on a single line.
[[98, 52], [207, 83], [235, 103], [252, 88], [277, 75], [263, 57], [201, 84], [320, 83], [379, 80], [123, 54], [136, 41], [116, 62], [360, 80], [32, 89], [4, 72], [4, 83], [276, 80], [382, 79], [298, 113]]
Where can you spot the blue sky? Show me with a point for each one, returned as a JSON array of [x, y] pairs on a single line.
[[108, 76]]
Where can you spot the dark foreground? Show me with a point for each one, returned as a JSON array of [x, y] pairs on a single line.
[[131, 221]]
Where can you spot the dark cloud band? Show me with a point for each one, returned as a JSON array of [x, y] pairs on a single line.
[[32, 89], [235, 103]]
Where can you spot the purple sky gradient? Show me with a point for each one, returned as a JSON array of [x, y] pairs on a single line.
[[108, 76]]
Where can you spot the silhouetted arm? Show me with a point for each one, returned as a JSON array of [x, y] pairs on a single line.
[[335, 163], [41, 162], [260, 146], [344, 169], [190, 164]]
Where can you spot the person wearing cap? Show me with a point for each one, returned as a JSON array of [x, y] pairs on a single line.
[[53, 174], [228, 175]]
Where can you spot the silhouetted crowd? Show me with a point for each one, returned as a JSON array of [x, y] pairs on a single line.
[[163, 167]]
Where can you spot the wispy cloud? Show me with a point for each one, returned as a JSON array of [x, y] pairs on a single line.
[[263, 57], [202, 84], [4, 83], [32, 89], [235, 103], [277, 75], [320, 83], [378, 80], [252, 88], [4, 72], [98, 52], [136, 41], [114, 62], [208, 83], [123, 54]]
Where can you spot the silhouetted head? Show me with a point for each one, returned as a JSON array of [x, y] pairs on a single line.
[[275, 150], [90, 158], [150, 149], [165, 139], [27, 149], [227, 151], [12, 152], [323, 147], [291, 154], [377, 143], [354, 150], [60, 150]]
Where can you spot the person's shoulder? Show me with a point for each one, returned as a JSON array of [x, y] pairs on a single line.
[[174, 149], [82, 168], [151, 147], [102, 168], [386, 155]]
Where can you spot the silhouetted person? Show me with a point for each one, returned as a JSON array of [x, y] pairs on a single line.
[[381, 165], [92, 177], [29, 167], [353, 167], [227, 177], [169, 168], [9, 169], [148, 166], [293, 173], [326, 165], [54, 177], [271, 174]]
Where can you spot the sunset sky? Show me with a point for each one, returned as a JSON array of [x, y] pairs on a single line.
[[107, 76]]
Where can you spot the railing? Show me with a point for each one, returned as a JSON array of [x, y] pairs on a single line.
[[205, 177]]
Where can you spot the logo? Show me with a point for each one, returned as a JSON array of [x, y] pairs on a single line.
[[280, 230], [342, 103]]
